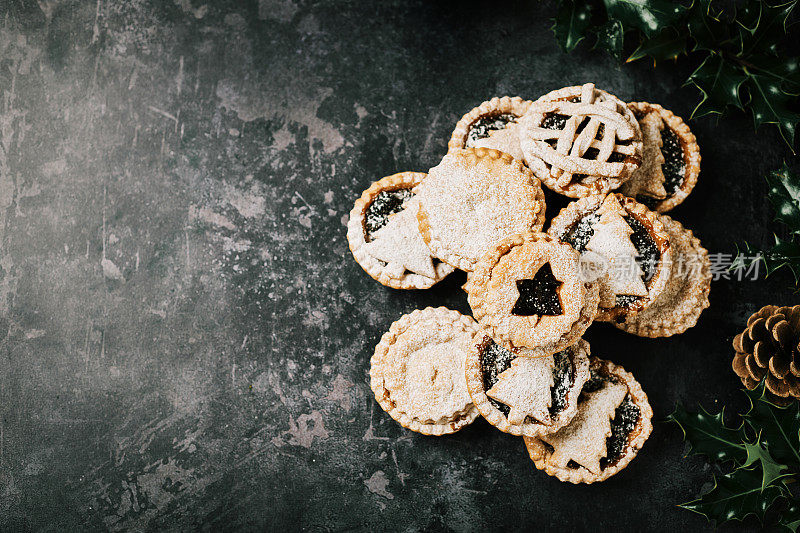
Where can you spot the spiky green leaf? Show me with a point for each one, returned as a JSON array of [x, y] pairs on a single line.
[[668, 44], [720, 83], [735, 496], [790, 517], [784, 195], [778, 427], [649, 16], [771, 105], [610, 38], [762, 26], [572, 21], [709, 436], [758, 454]]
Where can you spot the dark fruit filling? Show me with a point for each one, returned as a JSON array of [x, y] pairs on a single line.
[[582, 232], [538, 296], [625, 420], [596, 381], [615, 157], [674, 166], [646, 248], [385, 204], [563, 377], [554, 121], [485, 125], [495, 360]]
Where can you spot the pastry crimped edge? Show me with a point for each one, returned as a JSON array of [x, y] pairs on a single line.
[[497, 105], [356, 236], [476, 297], [576, 189], [539, 453], [691, 153], [574, 211], [495, 417], [442, 251], [676, 319], [467, 325]]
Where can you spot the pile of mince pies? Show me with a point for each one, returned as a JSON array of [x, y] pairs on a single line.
[[611, 255]]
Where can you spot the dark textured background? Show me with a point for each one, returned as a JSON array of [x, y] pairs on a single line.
[[184, 336]]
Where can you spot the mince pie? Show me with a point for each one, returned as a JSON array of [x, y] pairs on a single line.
[[671, 159], [685, 295], [612, 423], [619, 237], [524, 395], [417, 371], [581, 141], [474, 198], [527, 292], [493, 124], [383, 234]]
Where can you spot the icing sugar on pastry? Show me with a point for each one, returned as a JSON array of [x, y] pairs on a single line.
[[400, 245], [417, 371], [584, 439], [525, 388]]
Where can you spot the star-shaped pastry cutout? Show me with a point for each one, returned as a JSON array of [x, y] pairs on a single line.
[[584, 439], [400, 245], [538, 296], [525, 388]]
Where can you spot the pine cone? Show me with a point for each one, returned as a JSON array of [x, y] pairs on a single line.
[[768, 351]]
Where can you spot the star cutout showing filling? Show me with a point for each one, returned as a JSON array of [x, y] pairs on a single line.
[[538, 296], [400, 245], [525, 388], [584, 439]]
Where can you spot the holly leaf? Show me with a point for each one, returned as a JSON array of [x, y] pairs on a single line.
[[735, 496], [779, 427], [762, 26], [709, 436], [784, 195], [668, 44], [706, 26], [771, 105], [771, 469], [649, 16], [785, 253], [609, 37], [790, 518], [572, 20], [719, 82], [784, 71]]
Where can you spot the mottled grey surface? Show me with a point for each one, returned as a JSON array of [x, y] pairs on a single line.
[[185, 337]]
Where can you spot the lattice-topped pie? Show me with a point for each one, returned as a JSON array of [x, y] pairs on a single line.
[[671, 161], [527, 291], [622, 243], [612, 423], [493, 124], [580, 141], [383, 234], [472, 199], [417, 371], [524, 395]]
